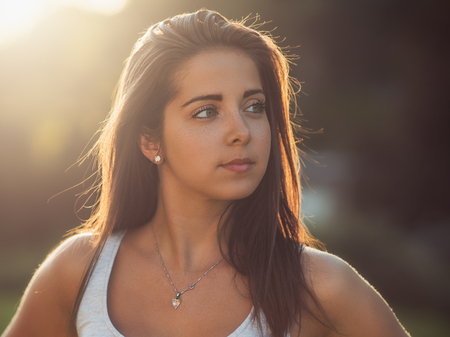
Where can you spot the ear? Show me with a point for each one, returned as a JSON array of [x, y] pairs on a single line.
[[151, 149]]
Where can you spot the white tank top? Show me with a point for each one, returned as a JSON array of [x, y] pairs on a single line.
[[93, 319]]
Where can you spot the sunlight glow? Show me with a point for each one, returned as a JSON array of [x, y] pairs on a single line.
[[20, 16], [50, 139], [105, 7]]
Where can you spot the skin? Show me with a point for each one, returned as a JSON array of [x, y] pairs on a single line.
[[196, 187]]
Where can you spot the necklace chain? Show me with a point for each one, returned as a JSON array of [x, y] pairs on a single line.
[[177, 301]]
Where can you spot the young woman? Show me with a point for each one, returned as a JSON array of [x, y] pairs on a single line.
[[196, 230]]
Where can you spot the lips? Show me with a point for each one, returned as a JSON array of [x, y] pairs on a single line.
[[239, 165]]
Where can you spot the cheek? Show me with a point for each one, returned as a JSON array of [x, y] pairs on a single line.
[[188, 147], [266, 142]]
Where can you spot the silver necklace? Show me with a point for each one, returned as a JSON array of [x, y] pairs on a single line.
[[177, 300]]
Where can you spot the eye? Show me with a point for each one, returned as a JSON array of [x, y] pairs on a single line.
[[257, 108], [206, 112]]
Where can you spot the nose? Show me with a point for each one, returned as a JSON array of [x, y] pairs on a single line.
[[238, 132]]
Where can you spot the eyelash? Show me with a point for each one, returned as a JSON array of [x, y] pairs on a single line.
[[261, 105], [204, 108]]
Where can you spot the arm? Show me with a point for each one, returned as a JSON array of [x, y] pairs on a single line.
[[46, 306], [352, 304]]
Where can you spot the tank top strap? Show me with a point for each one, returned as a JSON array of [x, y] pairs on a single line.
[[92, 318]]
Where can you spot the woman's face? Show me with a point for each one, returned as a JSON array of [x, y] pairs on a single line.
[[216, 136]]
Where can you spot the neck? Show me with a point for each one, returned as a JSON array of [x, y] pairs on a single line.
[[186, 230]]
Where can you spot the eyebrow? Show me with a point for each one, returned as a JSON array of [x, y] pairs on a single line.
[[220, 97]]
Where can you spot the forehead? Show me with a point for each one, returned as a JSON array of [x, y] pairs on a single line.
[[217, 72]]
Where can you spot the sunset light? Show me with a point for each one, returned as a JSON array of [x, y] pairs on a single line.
[[20, 16], [340, 165], [105, 7], [17, 17]]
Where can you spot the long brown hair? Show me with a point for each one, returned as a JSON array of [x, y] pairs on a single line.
[[266, 230]]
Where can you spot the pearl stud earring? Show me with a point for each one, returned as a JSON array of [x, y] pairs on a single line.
[[157, 159]]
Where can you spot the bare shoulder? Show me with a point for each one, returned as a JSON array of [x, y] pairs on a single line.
[[46, 306], [351, 303], [327, 273]]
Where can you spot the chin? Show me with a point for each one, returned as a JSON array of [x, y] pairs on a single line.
[[238, 193]]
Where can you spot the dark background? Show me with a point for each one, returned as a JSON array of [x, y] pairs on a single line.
[[374, 76]]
